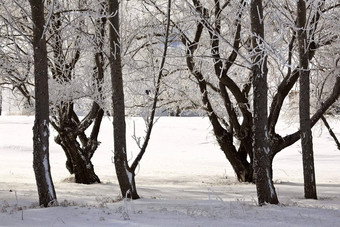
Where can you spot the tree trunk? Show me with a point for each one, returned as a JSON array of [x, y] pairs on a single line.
[[78, 159], [126, 177], [304, 105], [224, 135], [262, 161], [78, 147], [41, 165], [241, 166]]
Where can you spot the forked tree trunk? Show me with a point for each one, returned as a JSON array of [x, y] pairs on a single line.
[[41, 165], [78, 160], [126, 177], [242, 168], [277, 142], [304, 105], [262, 160], [78, 147], [223, 133]]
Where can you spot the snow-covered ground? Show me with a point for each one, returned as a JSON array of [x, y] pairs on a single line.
[[184, 180]]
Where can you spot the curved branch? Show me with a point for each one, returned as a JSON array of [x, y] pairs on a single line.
[[292, 138]]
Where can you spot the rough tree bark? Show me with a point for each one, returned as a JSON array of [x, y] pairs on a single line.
[[41, 165], [125, 175], [304, 104], [261, 147]]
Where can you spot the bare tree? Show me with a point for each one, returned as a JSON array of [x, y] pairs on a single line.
[[75, 35], [262, 162], [16, 56], [78, 147], [126, 173], [231, 60], [304, 104], [41, 165]]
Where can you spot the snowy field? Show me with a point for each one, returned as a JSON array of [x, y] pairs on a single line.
[[184, 180]]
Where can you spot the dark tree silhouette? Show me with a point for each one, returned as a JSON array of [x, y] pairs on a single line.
[[304, 104], [262, 162], [41, 165]]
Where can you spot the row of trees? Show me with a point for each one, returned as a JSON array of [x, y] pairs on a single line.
[[234, 61]]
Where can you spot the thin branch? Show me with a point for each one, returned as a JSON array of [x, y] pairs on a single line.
[[331, 132], [154, 105]]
